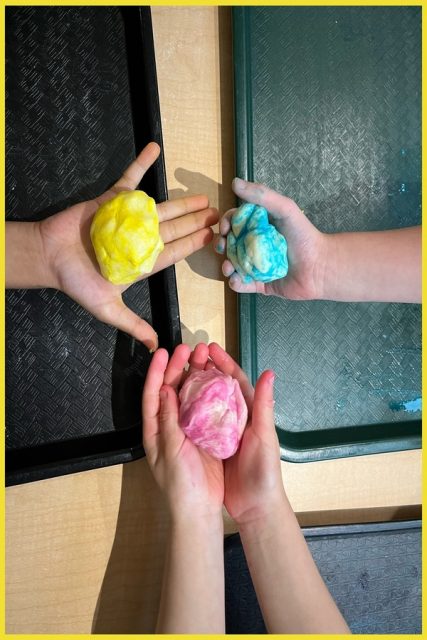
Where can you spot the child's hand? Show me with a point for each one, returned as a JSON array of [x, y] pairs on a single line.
[[307, 246], [192, 480], [253, 480], [70, 258]]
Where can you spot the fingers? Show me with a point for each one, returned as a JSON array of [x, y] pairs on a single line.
[[263, 405], [235, 282], [175, 368], [177, 228], [180, 249], [225, 224], [120, 316], [150, 397], [227, 268], [180, 207], [279, 207], [219, 244], [168, 418], [136, 170], [199, 357], [239, 286], [160, 407], [226, 364]]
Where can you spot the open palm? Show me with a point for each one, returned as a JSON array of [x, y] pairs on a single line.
[[184, 228]]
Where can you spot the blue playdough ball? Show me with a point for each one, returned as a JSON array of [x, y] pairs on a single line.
[[255, 248]]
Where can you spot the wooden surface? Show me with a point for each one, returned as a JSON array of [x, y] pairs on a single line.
[[196, 99], [85, 551]]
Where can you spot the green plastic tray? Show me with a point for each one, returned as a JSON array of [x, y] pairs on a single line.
[[328, 112]]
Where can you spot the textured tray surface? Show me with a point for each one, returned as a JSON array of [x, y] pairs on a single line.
[[332, 110], [340, 364], [374, 577], [69, 135]]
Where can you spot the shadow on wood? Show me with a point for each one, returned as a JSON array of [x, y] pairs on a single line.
[[130, 593]]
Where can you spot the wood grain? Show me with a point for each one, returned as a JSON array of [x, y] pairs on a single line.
[[196, 95], [85, 552]]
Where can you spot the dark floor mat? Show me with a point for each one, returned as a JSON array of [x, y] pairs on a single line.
[[372, 571]]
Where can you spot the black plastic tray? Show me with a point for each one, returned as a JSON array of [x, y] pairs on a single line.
[[328, 112], [81, 99]]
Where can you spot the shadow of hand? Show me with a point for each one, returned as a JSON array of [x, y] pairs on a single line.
[[192, 339], [204, 262], [195, 183], [129, 598]]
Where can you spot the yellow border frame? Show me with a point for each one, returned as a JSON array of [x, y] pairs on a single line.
[[5, 3]]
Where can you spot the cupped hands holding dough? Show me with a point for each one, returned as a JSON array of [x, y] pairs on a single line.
[[58, 253], [193, 480]]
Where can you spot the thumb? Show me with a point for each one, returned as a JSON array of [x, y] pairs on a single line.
[[280, 208], [170, 431], [263, 406], [120, 316], [136, 170]]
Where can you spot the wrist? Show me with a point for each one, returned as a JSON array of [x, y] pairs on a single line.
[[197, 521], [26, 264], [261, 527], [46, 252], [325, 267]]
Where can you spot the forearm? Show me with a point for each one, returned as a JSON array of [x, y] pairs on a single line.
[[193, 584], [377, 266], [291, 593], [26, 266]]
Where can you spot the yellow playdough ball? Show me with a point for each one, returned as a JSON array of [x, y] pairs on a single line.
[[126, 238]]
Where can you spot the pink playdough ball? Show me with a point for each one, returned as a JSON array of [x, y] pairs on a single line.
[[213, 412]]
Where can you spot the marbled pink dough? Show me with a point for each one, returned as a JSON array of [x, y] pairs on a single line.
[[213, 412]]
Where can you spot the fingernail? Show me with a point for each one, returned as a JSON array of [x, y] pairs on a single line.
[[239, 184], [272, 378], [156, 346]]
